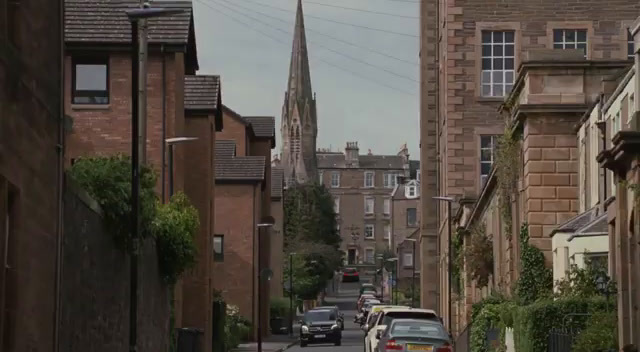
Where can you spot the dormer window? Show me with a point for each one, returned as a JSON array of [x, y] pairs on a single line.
[[411, 190]]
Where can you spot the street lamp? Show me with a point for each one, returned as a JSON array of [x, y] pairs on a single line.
[[291, 293], [413, 271], [267, 222], [602, 285], [394, 282], [170, 143], [135, 16], [449, 201]]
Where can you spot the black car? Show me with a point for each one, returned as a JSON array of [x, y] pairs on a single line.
[[320, 326], [336, 310]]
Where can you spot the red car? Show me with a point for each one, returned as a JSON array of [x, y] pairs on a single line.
[[350, 275]]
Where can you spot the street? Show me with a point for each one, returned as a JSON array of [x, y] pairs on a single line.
[[352, 336]]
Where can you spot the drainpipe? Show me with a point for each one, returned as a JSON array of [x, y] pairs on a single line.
[[602, 126], [254, 226], [164, 119], [60, 193]]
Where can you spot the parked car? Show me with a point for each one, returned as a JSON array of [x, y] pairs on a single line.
[[336, 310], [387, 315], [367, 287], [350, 275], [362, 298], [320, 326], [373, 315], [414, 335]]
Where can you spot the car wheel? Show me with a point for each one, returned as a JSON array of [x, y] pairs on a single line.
[[338, 342]]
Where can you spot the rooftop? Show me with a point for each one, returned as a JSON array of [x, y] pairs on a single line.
[[230, 167], [337, 161]]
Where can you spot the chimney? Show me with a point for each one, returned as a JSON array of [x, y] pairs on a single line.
[[351, 153]]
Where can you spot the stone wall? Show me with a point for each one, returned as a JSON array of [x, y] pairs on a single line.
[[95, 286]]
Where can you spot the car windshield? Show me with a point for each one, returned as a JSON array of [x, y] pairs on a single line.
[[350, 270], [390, 316], [417, 329], [319, 315]]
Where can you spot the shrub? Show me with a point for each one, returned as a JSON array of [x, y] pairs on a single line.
[[279, 307], [479, 256], [536, 280], [599, 334]]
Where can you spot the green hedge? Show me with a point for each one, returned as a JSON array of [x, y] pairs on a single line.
[[533, 323], [279, 307]]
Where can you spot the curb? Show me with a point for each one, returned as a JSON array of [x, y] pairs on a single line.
[[289, 346]]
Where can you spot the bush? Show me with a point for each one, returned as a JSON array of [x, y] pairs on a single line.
[[237, 328], [600, 333], [536, 280], [279, 308], [533, 323]]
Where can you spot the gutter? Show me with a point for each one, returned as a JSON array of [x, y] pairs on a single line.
[[164, 120], [253, 259]]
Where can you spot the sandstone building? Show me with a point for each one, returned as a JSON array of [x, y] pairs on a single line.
[[361, 186], [470, 53]]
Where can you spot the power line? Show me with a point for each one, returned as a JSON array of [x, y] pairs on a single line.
[[319, 44], [413, 63], [361, 10], [249, 26], [337, 22]]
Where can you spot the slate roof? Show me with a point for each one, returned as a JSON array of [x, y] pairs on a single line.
[[237, 168], [201, 92], [337, 161], [577, 222], [263, 126], [598, 225], [277, 181], [105, 21]]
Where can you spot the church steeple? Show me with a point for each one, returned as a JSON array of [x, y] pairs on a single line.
[[299, 127]]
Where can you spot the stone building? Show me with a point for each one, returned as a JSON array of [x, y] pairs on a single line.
[[405, 225], [299, 125], [469, 56], [243, 199], [361, 186], [31, 173]]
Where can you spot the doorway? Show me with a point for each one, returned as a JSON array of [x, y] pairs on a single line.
[[351, 256]]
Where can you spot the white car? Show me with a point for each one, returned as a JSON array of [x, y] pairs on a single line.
[[387, 315]]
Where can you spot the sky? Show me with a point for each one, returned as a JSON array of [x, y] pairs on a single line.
[[362, 95]]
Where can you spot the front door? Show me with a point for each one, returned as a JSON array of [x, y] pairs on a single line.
[[351, 256]]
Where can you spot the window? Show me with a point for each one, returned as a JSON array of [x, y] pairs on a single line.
[[335, 179], [218, 248], [487, 156], [369, 255], [498, 62], [630, 44], [13, 22], [320, 177], [336, 204], [369, 204], [412, 191], [369, 179], [615, 124], [597, 260], [570, 39], [407, 260], [411, 217], [369, 231], [390, 180], [418, 175], [387, 231], [387, 206], [91, 80]]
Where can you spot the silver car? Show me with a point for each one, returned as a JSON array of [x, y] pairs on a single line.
[[409, 335]]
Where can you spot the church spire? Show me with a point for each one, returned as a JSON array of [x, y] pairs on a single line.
[[299, 87]]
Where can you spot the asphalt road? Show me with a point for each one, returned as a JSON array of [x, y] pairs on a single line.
[[352, 336]]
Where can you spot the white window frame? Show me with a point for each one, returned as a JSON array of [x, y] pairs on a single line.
[[369, 210], [407, 263], [497, 82], [390, 179], [387, 206], [493, 140], [571, 44], [335, 176], [416, 217], [630, 45], [369, 176], [368, 251], [418, 174], [321, 177], [412, 191], [336, 204], [369, 235], [387, 231]]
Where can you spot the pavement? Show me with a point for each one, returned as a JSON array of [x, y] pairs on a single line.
[[352, 337]]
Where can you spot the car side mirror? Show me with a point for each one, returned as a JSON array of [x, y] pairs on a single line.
[[365, 327]]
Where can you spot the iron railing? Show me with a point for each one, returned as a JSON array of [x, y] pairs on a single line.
[[561, 340]]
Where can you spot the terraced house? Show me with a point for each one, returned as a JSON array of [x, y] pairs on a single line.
[[470, 55]]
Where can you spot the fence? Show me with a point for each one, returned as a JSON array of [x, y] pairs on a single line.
[[462, 341], [561, 340]]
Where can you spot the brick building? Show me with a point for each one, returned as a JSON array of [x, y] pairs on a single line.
[[31, 173], [361, 186], [405, 225], [179, 103], [277, 236], [243, 199], [469, 55]]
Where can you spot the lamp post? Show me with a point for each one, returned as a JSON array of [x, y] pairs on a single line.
[[413, 271], [268, 222], [394, 282], [135, 17], [602, 284], [291, 293], [449, 201], [170, 143]]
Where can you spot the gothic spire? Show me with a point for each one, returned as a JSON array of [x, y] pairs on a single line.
[[299, 87]]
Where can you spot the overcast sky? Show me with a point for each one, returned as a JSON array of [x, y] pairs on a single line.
[[354, 103]]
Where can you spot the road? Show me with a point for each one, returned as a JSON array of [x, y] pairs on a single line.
[[352, 336]]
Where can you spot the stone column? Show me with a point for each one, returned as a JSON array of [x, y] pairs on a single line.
[[622, 266]]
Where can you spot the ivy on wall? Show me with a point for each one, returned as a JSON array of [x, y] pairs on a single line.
[[478, 255], [536, 280], [458, 260], [507, 166]]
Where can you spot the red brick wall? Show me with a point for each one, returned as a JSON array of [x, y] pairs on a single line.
[[234, 130]]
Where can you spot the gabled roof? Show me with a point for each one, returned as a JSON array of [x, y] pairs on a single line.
[[399, 192], [577, 222], [237, 168], [337, 161], [263, 127], [105, 21], [277, 182], [202, 93]]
